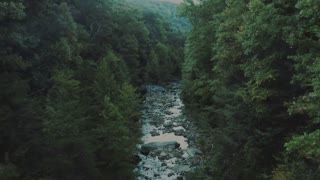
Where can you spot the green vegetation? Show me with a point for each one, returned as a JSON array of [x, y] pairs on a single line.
[[68, 76], [70, 69], [167, 10], [251, 80]]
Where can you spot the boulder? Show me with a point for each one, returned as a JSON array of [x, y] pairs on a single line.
[[146, 148], [154, 133], [180, 178], [168, 125], [162, 158], [182, 168], [193, 151], [168, 112], [135, 159], [154, 88], [179, 132], [163, 154]]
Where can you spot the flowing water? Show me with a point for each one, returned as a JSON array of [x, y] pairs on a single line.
[[164, 122]]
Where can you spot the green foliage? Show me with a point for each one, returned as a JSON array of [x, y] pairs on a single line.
[[62, 108], [11, 11], [8, 171], [164, 63], [306, 145], [69, 108], [165, 32], [165, 9], [129, 103], [251, 81], [261, 29]]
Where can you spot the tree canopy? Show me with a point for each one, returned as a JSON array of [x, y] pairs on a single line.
[[69, 73], [251, 79]]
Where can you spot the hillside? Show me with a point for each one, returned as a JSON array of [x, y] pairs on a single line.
[[168, 10], [173, 1], [70, 72]]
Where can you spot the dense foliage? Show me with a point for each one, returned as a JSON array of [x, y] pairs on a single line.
[[251, 78], [167, 35], [68, 72], [167, 10]]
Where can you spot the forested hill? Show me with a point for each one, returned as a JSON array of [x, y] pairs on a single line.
[[251, 78], [69, 70], [173, 1], [167, 10]]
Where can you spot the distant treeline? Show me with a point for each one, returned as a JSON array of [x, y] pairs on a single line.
[[167, 10]]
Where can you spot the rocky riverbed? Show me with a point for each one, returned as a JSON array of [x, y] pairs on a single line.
[[168, 149]]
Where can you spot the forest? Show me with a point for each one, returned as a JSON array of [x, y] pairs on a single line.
[[71, 73], [251, 78]]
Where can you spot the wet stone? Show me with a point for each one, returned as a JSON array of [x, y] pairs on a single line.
[[154, 133], [168, 125], [162, 158], [168, 112], [167, 136], [180, 178], [179, 132], [146, 148]]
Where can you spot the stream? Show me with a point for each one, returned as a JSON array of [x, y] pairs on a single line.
[[169, 149]]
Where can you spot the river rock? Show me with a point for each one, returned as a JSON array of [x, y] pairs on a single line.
[[182, 168], [162, 158], [177, 154], [179, 132], [193, 151], [154, 88], [146, 148], [135, 159], [180, 178], [168, 112], [163, 113], [195, 162], [154, 133], [168, 125], [163, 154]]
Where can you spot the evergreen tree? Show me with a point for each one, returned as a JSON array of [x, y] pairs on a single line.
[[250, 81], [68, 102]]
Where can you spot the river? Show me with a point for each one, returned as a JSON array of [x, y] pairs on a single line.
[[169, 149]]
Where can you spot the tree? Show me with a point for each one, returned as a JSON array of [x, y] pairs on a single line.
[[249, 83]]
